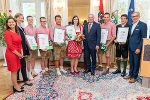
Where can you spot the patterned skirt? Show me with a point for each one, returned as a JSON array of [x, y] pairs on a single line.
[[74, 49]]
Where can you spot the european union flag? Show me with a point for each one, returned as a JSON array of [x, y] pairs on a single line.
[[131, 10]]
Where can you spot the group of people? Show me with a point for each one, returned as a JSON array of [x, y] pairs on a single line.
[[18, 54]]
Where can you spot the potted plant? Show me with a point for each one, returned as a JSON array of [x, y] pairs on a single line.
[[3, 18]]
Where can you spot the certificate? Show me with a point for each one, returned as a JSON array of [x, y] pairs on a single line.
[[104, 34], [71, 32], [31, 41], [59, 35], [42, 41], [122, 34]]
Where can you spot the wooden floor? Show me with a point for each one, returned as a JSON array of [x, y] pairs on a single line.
[[5, 82], [5, 79]]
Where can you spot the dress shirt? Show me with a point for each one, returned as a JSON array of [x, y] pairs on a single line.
[[133, 26], [111, 29], [52, 31]]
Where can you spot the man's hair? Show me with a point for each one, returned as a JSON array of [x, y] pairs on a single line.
[[136, 13], [18, 15], [28, 17], [107, 13], [124, 15], [57, 16], [42, 18], [91, 14]]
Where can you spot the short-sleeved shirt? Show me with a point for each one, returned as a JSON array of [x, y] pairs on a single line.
[[111, 29], [43, 30], [52, 31], [30, 30]]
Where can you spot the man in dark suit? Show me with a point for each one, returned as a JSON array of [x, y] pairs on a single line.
[[20, 19], [137, 33], [92, 33]]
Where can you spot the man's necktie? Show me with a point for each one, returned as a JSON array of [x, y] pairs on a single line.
[[89, 28]]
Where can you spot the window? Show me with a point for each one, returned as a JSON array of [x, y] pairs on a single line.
[[35, 8], [143, 7], [29, 10], [122, 8]]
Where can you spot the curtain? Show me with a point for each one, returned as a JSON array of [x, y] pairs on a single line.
[[49, 11], [4, 6], [15, 6]]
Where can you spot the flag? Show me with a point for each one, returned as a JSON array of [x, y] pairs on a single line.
[[101, 12], [114, 14], [131, 10]]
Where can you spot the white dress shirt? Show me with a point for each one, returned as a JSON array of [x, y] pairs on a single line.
[[133, 27]]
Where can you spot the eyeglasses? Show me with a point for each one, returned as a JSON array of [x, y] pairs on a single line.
[[43, 21], [134, 16]]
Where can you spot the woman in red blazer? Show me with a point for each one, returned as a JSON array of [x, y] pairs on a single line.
[[14, 51]]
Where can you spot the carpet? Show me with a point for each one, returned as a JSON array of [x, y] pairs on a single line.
[[82, 87]]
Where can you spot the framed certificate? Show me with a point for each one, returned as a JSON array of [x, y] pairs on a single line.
[[122, 34], [43, 41], [70, 30], [104, 34], [31, 41], [59, 35]]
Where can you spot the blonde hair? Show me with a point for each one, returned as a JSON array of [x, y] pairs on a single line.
[[18, 15]]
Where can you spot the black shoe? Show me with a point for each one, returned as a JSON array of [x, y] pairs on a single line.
[[28, 84], [123, 74], [106, 71], [17, 90], [22, 88], [117, 71], [19, 81], [87, 70], [93, 73]]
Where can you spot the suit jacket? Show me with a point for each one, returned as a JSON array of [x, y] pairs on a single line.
[[135, 39], [125, 46], [92, 39], [24, 44]]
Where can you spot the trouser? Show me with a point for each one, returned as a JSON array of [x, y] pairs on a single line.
[[134, 60], [23, 70], [90, 52]]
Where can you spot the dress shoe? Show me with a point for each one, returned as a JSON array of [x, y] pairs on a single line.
[[106, 71], [58, 72], [76, 72], [132, 80], [19, 81], [99, 67], [117, 71], [17, 90], [30, 84], [22, 88], [46, 73], [33, 72], [64, 71], [87, 70], [127, 77], [123, 74], [72, 73], [93, 73]]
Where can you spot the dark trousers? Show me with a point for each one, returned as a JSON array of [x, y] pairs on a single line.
[[90, 52], [23, 70], [134, 60]]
